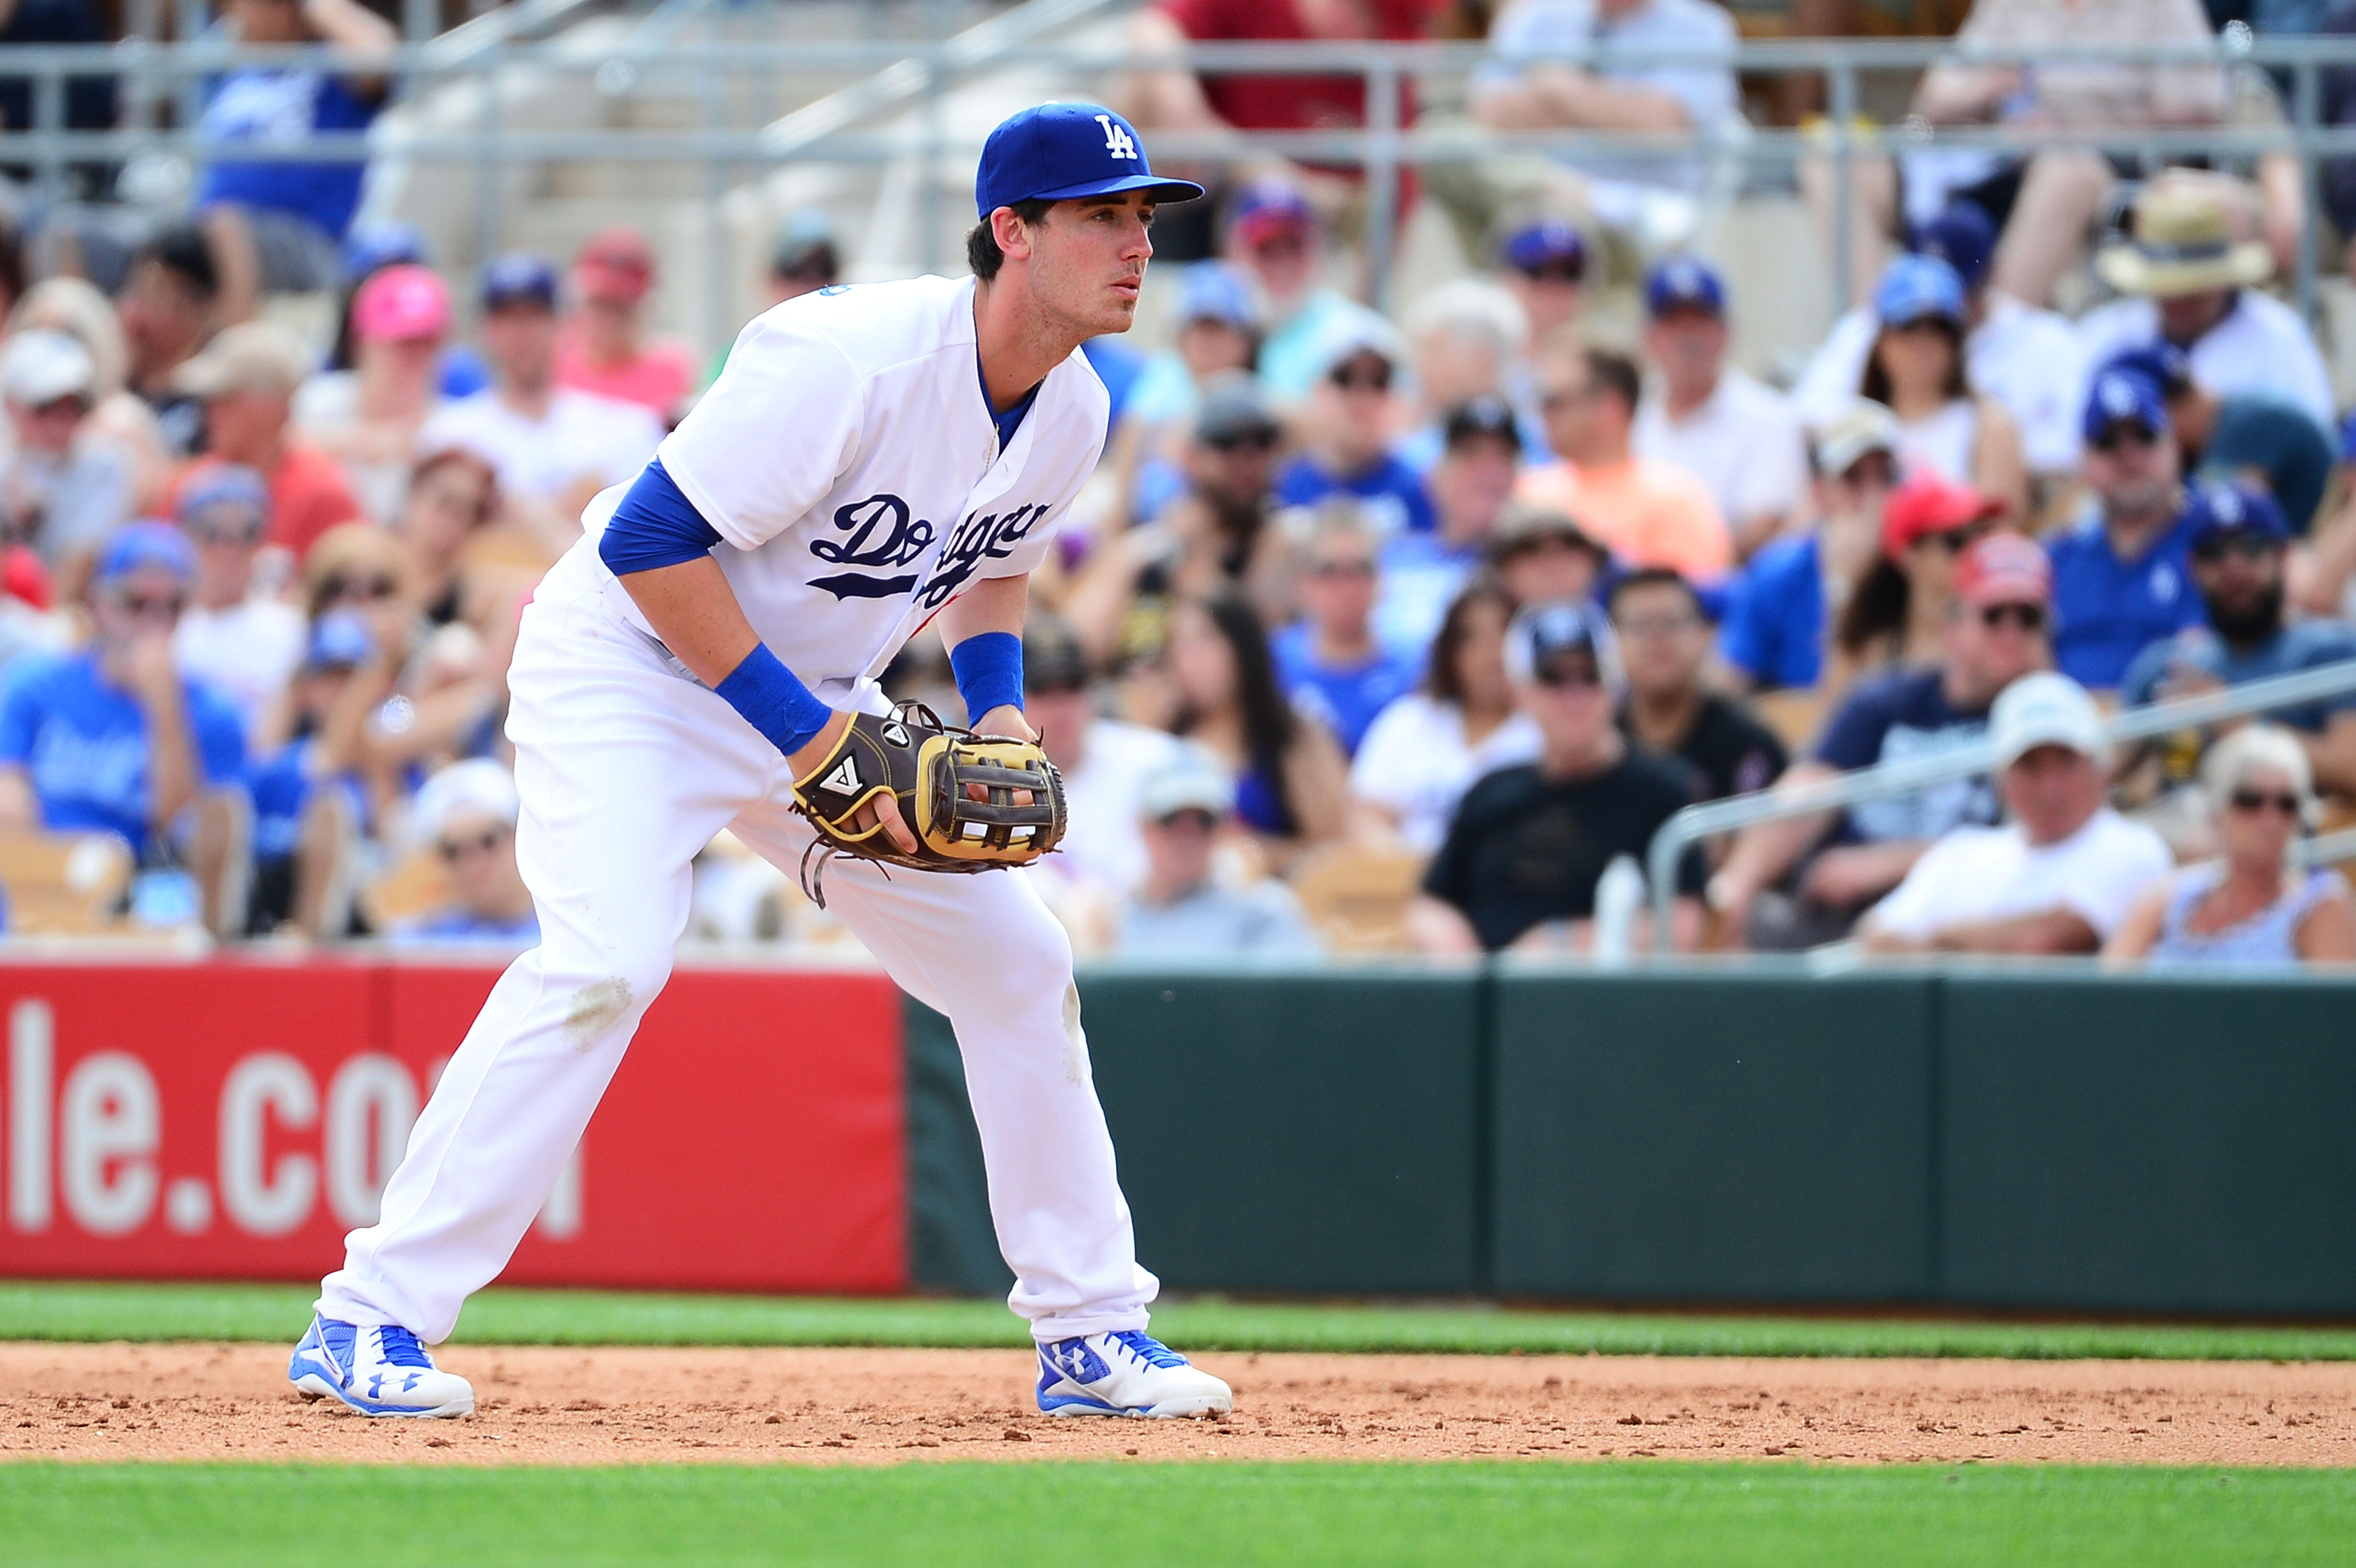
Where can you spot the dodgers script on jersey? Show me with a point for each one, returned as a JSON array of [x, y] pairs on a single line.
[[849, 461]]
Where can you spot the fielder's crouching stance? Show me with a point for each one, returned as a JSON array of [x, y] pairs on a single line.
[[872, 458]]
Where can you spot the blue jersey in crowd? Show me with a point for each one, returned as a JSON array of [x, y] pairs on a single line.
[[2106, 611], [1887, 718], [283, 787], [1346, 699], [278, 107], [2303, 645], [1389, 493], [84, 743], [1773, 627]]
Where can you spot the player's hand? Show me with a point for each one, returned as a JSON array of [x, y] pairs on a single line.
[[1008, 720], [883, 808]]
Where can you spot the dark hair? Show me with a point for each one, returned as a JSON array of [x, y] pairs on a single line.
[[1269, 721], [185, 251], [1877, 609], [488, 506], [1440, 677], [1655, 576], [981, 251], [1617, 372], [1874, 385]]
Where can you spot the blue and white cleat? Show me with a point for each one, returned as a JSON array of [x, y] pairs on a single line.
[[376, 1370], [1127, 1373]]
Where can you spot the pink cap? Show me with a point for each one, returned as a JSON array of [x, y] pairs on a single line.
[[400, 303]]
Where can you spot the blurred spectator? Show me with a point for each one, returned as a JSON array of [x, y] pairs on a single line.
[[1425, 750], [370, 248], [1528, 843], [548, 444], [1105, 763], [1481, 449], [1349, 427], [1532, 84], [468, 813], [1915, 368], [1782, 609], [279, 226], [1468, 339], [75, 308], [603, 346], [1648, 513], [167, 310], [2190, 284], [1218, 334], [1710, 419], [113, 738], [1665, 638], [1539, 554], [367, 418], [1274, 237], [1179, 910], [241, 642], [1328, 661], [2120, 573], [1543, 264], [2026, 358], [310, 804], [805, 259], [2061, 875], [1290, 776], [1996, 634], [2251, 907], [2254, 437], [63, 488], [2237, 541], [1898, 615], [247, 377], [451, 494]]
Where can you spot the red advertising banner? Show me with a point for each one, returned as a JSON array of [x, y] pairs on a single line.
[[231, 1119]]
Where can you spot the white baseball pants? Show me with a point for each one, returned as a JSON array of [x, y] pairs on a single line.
[[626, 769]]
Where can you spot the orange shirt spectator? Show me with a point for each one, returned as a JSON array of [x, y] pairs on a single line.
[[603, 346], [246, 378], [1649, 514]]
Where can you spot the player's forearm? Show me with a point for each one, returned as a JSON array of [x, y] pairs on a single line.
[[993, 604], [694, 612]]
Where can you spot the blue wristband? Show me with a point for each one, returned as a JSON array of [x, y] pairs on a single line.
[[989, 670], [774, 700]]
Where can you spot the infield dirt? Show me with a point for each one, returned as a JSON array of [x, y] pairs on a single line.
[[870, 1406]]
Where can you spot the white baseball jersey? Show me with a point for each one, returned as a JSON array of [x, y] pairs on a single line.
[[849, 462]]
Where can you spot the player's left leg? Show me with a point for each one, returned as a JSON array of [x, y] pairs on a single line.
[[985, 951]]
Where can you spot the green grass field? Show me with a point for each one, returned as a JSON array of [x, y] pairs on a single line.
[[41, 1311]]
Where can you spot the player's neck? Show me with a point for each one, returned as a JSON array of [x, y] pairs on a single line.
[[1018, 345]]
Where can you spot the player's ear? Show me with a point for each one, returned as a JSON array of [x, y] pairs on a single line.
[[1013, 235]]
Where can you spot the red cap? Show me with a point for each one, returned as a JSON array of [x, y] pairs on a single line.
[[2003, 569], [22, 577], [615, 264], [1928, 503], [399, 305]]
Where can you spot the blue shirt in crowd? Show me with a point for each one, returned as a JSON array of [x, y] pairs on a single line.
[[1889, 718], [1390, 494], [1773, 627], [2302, 644], [84, 743], [280, 107], [2106, 611], [281, 788], [1422, 574], [1346, 699]]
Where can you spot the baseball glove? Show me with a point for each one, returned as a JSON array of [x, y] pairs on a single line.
[[956, 792]]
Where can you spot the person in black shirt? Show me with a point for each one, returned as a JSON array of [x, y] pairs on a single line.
[[1528, 843], [1664, 640]]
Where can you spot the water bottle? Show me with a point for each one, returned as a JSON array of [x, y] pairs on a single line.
[[1619, 904]]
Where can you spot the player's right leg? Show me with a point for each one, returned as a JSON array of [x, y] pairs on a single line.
[[626, 771]]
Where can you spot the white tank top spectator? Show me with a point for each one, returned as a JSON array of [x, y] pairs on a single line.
[[1916, 368]]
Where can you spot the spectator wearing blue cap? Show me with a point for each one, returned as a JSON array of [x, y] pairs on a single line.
[[1218, 332], [2025, 356], [312, 806], [2238, 543], [1481, 454], [552, 446], [1275, 239], [1711, 419], [242, 643], [2121, 574], [1916, 368], [1347, 430], [113, 738], [2251, 437], [1544, 263]]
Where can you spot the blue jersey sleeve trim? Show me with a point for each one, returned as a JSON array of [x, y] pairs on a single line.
[[655, 526]]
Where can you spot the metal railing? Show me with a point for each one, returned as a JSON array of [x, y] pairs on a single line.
[[1885, 781]]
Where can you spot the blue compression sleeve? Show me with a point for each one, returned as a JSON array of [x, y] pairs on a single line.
[[774, 700], [989, 670], [655, 526]]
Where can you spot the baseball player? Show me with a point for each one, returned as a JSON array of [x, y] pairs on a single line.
[[873, 458]]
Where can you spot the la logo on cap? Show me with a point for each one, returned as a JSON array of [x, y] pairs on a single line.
[[1117, 141]]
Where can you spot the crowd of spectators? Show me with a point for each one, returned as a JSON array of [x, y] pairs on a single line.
[[1458, 605]]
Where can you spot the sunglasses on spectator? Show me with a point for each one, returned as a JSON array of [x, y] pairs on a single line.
[[1244, 441], [1363, 377], [1955, 541], [1356, 567], [1284, 242], [73, 405], [454, 850], [153, 607], [1194, 818], [2246, 545], [2120, 435], [340, 587], [1570, 675], [226, 525], [1555, 273], [2251, 801], [2028, 617]]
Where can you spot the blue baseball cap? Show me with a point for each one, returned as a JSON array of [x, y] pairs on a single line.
[[1683, 283], [340, 639], [147, 542], [1214, 291], [2163, 363], [2222, 506], [1059, 150], [2124, 397], [1961, 236], [228, 484], [1549, 243], [1916, 288], [520, 277], [374, 246]]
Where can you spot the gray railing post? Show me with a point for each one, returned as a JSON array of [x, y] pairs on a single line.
[[1844, 118], [2307, 113], [50, 120], [1382, 174]]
